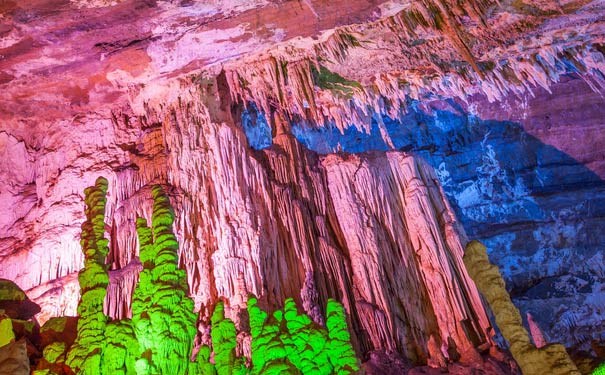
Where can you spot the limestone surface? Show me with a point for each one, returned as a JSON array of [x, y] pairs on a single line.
[[150, 92]]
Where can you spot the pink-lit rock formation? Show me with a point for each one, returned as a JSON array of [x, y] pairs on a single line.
[[282, 222], [149, 92], [537, 336]]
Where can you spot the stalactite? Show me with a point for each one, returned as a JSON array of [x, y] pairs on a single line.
[[283, 217], [159, 338], [122, 283], [414, 260], [284, 76], [550, 359], [350, 104]]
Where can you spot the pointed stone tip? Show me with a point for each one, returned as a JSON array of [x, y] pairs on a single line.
[[474, 246], [141, 222], [102, 183]]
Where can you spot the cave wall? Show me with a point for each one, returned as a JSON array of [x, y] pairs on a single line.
[[491, 112], [374, 231], [524, 175]]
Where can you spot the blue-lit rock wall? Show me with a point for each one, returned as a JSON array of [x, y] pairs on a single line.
[[540, 211]]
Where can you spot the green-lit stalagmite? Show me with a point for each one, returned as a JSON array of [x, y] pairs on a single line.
[[121, 348], [85, 355], [101, 347], [305, 344], [291, 343], [163, 317], [550, 359], [159, 338], [599, 370], [224, 342], [340, 351], [202, 364]]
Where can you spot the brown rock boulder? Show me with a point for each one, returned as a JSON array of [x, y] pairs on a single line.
[[15, 303], [13, 359], [60, 329]]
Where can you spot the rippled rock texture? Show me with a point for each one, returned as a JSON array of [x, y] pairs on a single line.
[[374, 232], [489, 111], [526, 177]]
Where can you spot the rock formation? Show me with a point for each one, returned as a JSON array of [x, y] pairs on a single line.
[[550, 359], [303, 232], [159, 339], [19, 336], [14, 359], [85, 354], [452, 108], [15, 303], [160, 307], [537, 337]]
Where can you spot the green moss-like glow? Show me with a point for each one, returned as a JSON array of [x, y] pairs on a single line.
[[291, 343], [163, 317], [84, 357], [159, 338], [599, 370]]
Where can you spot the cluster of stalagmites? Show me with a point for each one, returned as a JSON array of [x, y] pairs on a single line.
[[159, 339], [160, 336]]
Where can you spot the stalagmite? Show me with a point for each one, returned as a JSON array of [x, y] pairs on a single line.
[[550, 359], [536, 333], [85, 355], [161, 308], [409, 90]]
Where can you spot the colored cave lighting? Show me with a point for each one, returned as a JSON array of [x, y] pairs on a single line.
[[159, 337], [163, 317], [289, 343], [599, 370], [551, 359]]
